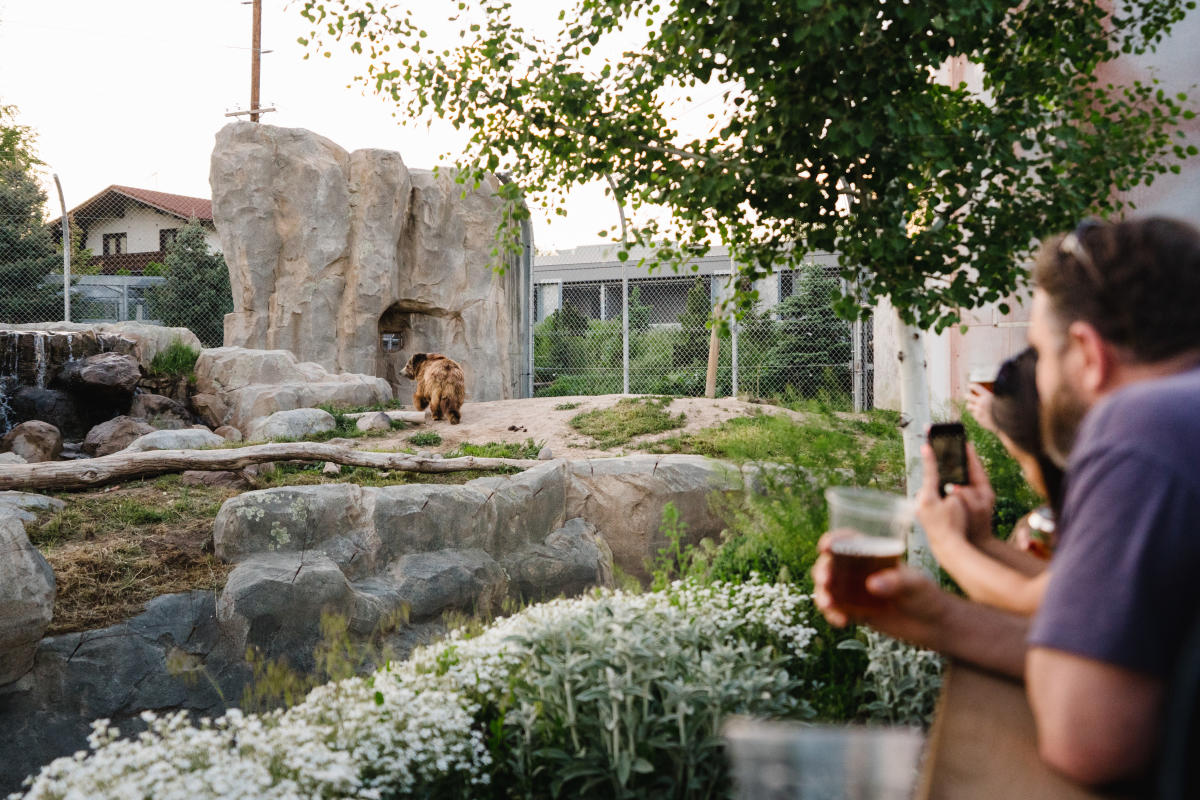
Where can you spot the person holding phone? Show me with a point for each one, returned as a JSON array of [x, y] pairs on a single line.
[[1117, 337], [988, 570], [1011, 411]]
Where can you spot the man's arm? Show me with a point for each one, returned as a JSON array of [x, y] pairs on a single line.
[[917, 611], [1096, 722]]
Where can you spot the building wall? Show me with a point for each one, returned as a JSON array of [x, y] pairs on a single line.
[[141, 226]]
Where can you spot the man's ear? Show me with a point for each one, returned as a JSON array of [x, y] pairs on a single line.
[[1097, 357]]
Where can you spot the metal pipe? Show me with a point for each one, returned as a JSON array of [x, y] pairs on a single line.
[[66, 238]]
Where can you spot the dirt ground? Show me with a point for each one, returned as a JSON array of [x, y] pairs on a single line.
[[540, 419]]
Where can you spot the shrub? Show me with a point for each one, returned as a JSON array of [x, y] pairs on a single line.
[[196, 294], [901, 681], [177, 359], [425, 439], [610, 695]]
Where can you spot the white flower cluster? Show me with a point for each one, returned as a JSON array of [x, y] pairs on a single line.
[[410, 727]]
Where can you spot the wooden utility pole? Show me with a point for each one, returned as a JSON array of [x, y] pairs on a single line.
[[255, 58]]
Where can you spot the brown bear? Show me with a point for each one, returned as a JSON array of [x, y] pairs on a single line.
[[440, 385]]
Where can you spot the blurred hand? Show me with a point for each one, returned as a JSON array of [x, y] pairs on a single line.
[[913, 607], [979, 403], [945, 519], [978, 497]]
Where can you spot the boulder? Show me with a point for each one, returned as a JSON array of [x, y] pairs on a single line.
[[24, 505], [467, 580], [570, 561], [104, 374], [54, 406], [295, 424], [210, 409], [26, 599], [625, 497], [229, 433], [33, 441], [274, 602], [116, 434], [523, 508], [375, 421], [339, 255], [257, 383], [139, 340], [161, 412], [416, 518], [186, 439], [335, 519], [546, 454], [330, 468]]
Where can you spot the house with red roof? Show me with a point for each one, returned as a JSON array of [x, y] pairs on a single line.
[[127, 228]]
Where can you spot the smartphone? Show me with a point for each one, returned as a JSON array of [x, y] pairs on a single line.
[[949, 443]]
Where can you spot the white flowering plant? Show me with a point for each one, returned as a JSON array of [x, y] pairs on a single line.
[[609, 695]]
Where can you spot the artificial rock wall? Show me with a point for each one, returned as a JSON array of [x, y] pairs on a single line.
[[354, 261]]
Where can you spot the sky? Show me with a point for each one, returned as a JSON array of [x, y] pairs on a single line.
[[132, 92]]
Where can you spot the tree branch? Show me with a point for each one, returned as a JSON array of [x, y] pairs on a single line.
[[123, 466]]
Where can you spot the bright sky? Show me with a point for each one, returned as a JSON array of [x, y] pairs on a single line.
[[133, 92]]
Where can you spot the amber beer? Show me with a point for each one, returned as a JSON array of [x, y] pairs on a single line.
[[855, 558], [985, 376], [872, 535]]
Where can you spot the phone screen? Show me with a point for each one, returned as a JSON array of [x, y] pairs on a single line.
[[949, 443]]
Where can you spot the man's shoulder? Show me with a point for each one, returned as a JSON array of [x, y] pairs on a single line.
[[1159, 418]]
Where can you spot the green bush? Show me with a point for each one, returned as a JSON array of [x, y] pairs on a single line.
[[196, 293], [176, 359], [425, 439]]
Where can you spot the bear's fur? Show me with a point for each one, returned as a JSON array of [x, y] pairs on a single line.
[[440, 385]]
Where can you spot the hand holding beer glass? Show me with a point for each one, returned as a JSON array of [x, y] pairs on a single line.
[[871, 534]]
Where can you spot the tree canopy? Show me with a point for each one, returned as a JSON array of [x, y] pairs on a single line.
[[835, 131], [196, 294]]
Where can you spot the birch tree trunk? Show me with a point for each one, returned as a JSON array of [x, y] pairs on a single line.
[[915, 418]]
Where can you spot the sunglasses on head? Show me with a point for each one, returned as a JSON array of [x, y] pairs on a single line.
[[1073, 245]]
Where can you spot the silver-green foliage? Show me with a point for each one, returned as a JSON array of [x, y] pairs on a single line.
[[902, 682], [627, 702]]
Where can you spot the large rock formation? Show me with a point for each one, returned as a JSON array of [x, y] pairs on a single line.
[[353, 261], [250, 384]]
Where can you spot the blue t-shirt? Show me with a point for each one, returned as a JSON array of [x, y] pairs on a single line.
[[1125, 579]]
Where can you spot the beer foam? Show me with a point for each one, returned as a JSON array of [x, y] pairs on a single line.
[[877, 546]]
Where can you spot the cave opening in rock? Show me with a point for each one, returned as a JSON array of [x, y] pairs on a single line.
[[393, 345]]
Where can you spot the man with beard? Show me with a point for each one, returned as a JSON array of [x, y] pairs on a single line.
[[1116, 326]]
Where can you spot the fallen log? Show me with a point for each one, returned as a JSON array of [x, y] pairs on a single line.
[[411, 417], [122, 466]]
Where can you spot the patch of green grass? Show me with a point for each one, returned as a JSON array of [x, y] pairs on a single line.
[[101, 514], [630, 417], [527, 449], [285, 474], [866, 451], [567, 406], [426, 439], [175, 359]]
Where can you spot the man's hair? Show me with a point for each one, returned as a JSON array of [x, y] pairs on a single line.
[[1137, 283]]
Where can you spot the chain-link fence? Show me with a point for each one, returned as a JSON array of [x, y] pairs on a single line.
[[135, 254], [796, 347]]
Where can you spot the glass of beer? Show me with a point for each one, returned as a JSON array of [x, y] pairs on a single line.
[[984, 375], [878, 524]]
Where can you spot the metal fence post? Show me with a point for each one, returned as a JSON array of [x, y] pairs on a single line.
[[733, 334], [624, 327], [66, 223]]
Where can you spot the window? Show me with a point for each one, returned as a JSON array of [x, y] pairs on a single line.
[[115, 244], [165, 237]]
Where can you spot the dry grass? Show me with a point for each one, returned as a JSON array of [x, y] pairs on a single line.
[[114, 550]]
